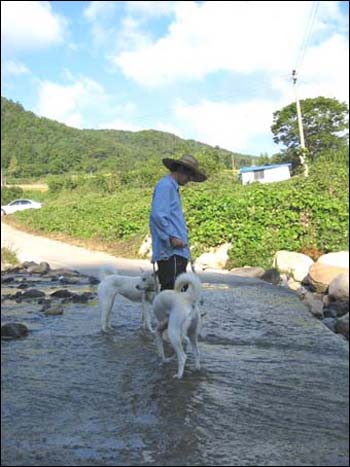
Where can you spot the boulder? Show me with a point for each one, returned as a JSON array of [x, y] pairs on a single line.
[[272, 276], [13, 331], [339, 259], [248, 271], [294, 264], [32, 293], [216, 258], [342, 326], [336, 309], [321, 275], [315, 303], [339, 287], [54, 310], [41, 268]]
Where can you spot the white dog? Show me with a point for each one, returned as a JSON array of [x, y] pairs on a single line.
[[138, 289], [178, 311]]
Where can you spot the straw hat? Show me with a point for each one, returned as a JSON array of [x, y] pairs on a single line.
[[189, 162]]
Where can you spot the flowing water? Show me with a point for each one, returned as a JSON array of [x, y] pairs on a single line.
[[273, 388]]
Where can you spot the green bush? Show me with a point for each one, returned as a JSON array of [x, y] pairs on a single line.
[[300, 214], [9, 194]]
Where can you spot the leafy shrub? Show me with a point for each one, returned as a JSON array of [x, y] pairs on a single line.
[[9, 194]]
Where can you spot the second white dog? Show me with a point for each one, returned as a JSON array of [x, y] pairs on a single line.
[[138, 289], [178, 312]]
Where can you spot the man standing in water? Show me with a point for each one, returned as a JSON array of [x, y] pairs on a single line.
[[167, 223]]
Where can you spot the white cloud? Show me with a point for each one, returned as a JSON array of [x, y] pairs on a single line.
[[30, 25], [326, 70], [231, 126], [71, 104], [11, 67], [148, 9], [239, 37], [247, 39]]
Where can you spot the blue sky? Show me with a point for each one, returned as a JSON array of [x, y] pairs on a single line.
[[210, 71]]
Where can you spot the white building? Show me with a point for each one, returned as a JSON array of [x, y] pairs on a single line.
[[265, 173]]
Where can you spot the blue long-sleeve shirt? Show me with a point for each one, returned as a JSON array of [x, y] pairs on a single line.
[[167, 220]]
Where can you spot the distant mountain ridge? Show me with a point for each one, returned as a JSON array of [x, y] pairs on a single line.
[[36, 146]]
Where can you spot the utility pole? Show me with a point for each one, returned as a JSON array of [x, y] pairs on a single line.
[[233, 162], [302, 155]]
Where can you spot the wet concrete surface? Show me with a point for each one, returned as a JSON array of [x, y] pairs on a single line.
[[273, 388]]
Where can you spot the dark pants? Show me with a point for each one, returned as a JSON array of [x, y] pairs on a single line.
[[169, 269]]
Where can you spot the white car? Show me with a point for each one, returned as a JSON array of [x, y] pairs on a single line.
[[19, 205]]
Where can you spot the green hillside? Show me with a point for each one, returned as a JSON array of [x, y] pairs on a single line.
[[32, 146]]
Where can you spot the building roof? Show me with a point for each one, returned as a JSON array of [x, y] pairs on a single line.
[[254, 168]]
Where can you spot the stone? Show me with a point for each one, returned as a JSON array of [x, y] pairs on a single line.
[[248, 271], [13, 331], [339, 287], [339, 259], [294, 264], [321, 275]]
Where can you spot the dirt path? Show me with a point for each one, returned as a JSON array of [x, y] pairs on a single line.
[[30, 247]]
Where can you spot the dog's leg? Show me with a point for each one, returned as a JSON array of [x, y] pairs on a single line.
[[193, 332], [146, 315], [175, 338], [160, 345], [107, 305]]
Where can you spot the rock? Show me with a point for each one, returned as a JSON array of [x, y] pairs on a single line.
[[64, 272], [216, 258], [93, 280], [272, 276], [339, 287], [315, 303], [28, 264], [41, 268], [342, 326], [46, 303], [62, 293], [7, 280], [321, 275], [340, 308], [13, 331], [294, 264], [32, 293], [69, 280], [54, 310], [339, 259], [330, 323], [293, 285], [83, 298], [248, 271], [329, 313]]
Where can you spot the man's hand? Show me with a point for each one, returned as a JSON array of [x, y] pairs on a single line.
[[177, 242]]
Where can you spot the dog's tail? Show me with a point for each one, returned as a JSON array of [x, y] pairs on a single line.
[[192, 281], [107, 270]]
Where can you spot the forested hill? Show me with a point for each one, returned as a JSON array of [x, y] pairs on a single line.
[[35, 146]]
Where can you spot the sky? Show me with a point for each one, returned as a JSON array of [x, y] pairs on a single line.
[[210, 71]]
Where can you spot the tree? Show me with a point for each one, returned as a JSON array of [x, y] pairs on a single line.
[[325, 123], [13, 166]]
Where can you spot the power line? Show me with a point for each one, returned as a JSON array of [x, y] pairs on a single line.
[[307, 34]]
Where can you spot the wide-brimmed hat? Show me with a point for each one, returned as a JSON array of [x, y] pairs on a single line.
[[189, 162]]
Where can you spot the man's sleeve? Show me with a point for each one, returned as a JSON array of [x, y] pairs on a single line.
[[161, 213]]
